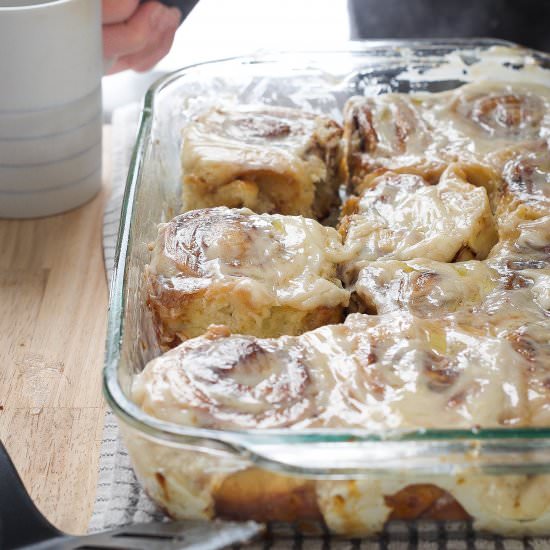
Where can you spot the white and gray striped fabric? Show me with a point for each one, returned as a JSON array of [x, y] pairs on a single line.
[[120, 500], [123, 134]]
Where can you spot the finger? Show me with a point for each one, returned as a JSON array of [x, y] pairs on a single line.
[[149, 22], [117, 11], [143, 61]]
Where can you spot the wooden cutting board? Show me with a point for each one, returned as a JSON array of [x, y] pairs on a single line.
[[53, 307]]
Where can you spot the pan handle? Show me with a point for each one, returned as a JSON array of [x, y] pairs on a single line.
[[21, 523]]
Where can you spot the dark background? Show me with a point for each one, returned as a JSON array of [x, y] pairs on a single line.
[[526, 22]]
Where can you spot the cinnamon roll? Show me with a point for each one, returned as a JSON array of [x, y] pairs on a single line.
[[423, 133], [425, 288], [388, 132], [446, 257], [268, 159], [404, 217], [370, 372], [522, 258], [258, 274], [532, 343], [517, 312], [487, 116], [524, 193], [458, 374], [520, 317], [512, 505], [238, 382]]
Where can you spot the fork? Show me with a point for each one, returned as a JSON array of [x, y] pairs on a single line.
[[23, 526]]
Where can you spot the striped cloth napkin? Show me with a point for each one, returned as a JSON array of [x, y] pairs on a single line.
[[120, 500]]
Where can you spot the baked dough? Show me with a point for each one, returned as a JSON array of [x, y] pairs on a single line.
[[422, 133], [381, 373], [370, 372], [446, 257], [260, 274], [524, 192], [425, 288], [403, 216], [269, 159]]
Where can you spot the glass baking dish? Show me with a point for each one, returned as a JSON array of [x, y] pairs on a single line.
[[347, 480]]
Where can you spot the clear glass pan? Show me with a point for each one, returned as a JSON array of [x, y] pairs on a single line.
[[319, 81]]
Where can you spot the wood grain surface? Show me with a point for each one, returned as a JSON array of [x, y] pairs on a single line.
[[53, 302]]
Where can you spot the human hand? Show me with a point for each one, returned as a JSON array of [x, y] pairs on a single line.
[[137, 36]]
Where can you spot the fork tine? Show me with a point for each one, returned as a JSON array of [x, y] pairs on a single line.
[[186, 535], [22, 525]]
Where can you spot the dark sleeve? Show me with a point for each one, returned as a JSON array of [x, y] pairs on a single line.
[[185, 6], [522, 21]]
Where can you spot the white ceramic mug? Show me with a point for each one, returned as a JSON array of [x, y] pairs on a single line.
[[50, 105]]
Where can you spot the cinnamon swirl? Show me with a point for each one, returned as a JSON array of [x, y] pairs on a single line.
[[388, 132], [423, 133], [425, 288], [237, 382], [487, 116], [370, 372]]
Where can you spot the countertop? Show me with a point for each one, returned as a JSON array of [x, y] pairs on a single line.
[[53, 302]]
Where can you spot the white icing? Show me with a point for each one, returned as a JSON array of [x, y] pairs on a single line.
[[403, 218], [275, 260]]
